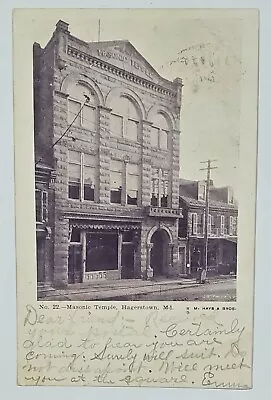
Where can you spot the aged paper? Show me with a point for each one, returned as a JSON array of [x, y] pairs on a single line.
[[129, 271]]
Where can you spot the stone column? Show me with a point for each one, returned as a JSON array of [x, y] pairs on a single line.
[[104, 155], [61, 33], [146, 164], [61, 224], [47, 245], [119, 252], [143, 250], [61, 252], [175, 169], [148, 259], [137, 255], [84, 252], [170, 257]]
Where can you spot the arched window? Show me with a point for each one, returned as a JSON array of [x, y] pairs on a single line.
[[159, 132], [124, 119], [86, 118]]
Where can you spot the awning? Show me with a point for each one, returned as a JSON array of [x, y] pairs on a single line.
[[104, 226]]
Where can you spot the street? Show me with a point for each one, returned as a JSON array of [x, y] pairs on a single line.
[[216, 289], [223, 290]]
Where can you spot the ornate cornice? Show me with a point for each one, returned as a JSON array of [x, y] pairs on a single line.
[[105, 66], [92, 216]]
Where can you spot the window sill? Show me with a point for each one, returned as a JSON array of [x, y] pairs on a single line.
[[83, 129], [125, 205], [158, 149], [81, 201], [124, 140]]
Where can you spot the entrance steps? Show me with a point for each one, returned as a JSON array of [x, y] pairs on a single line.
[[44, 289]]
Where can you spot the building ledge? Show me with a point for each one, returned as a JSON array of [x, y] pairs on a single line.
[[161, 212]]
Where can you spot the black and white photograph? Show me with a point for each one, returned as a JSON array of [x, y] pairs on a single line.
[[135, 146], [136, 141]]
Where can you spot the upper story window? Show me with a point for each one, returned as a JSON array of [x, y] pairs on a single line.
[[82, 116], [210, 223], [124, 119], [132, 184], [159, 133], [41, 197], [82, 176], [160, 182], [222, 224], [201, 191], [116, 177], [233, 226], [194, 223], [122, 177]]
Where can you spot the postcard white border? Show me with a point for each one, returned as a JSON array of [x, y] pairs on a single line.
[[263, 214]]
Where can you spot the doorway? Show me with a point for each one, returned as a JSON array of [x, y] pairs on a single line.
[[127, 261], [182, 259], [159, 259], [40, 256], [75, 264]]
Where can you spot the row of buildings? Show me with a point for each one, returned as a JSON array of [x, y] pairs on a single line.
[[109, 200]]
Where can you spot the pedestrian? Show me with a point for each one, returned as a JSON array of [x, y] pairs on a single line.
[[203, 276], [199, 270]]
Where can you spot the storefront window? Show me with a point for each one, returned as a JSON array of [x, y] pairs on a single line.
[[102, 252]]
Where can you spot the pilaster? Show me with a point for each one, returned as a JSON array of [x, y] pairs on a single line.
[[175, 169], [104, 155], [61, 251], [146, 164]]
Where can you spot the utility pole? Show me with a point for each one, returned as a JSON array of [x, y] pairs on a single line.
[[207, 206], [99, 30]]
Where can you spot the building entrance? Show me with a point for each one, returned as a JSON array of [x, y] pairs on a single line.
[[159, 259], [40, 255], [75, 264], [127, 261]]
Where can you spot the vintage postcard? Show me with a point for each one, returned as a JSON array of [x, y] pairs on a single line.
[[135, 168]]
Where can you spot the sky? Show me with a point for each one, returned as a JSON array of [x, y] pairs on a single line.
[[195, 45]]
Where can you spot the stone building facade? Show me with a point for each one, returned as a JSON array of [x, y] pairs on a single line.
[[44, 195], [222, 228], [107, 124]]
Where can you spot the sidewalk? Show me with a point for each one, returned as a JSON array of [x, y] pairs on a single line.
[[115, 290]]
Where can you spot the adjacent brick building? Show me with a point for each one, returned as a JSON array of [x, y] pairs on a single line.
[[222, 228], [107, 128]]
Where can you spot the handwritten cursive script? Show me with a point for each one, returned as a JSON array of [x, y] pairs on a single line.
[[110, 348]]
